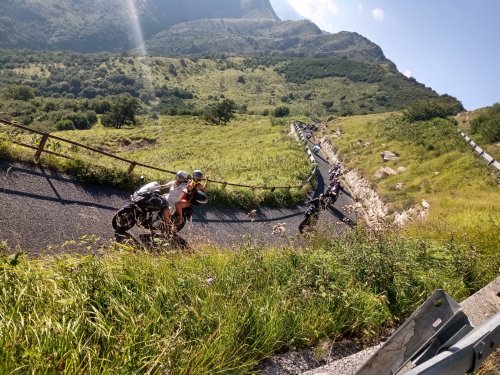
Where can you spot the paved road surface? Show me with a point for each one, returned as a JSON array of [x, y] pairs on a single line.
[[40, 208]]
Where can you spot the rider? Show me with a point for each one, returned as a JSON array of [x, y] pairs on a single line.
[[315, 205], [333, 191], [175, 191], [334, 171], [190, 190]]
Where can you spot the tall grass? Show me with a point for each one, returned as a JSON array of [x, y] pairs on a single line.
[[212, 311]]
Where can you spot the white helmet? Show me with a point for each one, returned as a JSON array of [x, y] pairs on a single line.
[[181, 175]]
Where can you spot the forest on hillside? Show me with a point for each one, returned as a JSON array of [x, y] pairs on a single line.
[[43, 88]]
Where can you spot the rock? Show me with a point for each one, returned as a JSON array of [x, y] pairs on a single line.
[[399, 186], [389, 155], [401, 169], [425, 204], [385, 172]]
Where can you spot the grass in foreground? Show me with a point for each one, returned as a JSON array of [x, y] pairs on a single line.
[[214, 311]]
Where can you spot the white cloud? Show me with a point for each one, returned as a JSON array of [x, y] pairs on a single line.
[[318, 11], [407, 73], [378, 14]]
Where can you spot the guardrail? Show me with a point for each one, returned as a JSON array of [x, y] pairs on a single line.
[[480, 152], [40, 149]]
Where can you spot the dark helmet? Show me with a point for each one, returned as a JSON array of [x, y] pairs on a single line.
[[181, 175], [197, 175]]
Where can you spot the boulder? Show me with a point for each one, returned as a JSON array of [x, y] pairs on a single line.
[[389, 155], [384, 172]]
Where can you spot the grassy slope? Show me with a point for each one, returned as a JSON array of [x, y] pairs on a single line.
[[263, 88], [462, 191], [249, 150]]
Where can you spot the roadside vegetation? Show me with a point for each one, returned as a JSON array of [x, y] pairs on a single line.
[[436, 166], [483, 125], [250, 150], [214, 310]]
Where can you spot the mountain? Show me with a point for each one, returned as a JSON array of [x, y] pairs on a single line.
[[264, 37], [285, 11], [111, 25], [172, 28], [318, 64]]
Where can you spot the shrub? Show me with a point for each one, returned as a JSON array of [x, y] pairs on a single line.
[[487, 124], [281, 111], [79, 120], [424, 110], [65, 125], [19, 92]]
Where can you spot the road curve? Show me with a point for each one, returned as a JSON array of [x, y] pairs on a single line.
[[42, 209]]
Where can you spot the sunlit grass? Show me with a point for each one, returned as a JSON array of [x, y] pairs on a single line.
[[250, 150], [460, 187], [213, 310]]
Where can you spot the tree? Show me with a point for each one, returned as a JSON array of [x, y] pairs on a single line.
[[122, 112], [281, 111], [20, 92], [221, 112], [487, 124]]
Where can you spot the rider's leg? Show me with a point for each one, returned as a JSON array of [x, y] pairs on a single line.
[[166, 218], [178, 207], [303, 224]]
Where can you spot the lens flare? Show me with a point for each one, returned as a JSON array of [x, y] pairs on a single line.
[[142, 62]]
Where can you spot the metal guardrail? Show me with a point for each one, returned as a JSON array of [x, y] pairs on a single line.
[[40, 149], [466, 354], [437, 339], [480, 152]]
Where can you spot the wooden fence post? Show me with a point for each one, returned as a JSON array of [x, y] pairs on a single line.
[[41, 146], [132, 166]]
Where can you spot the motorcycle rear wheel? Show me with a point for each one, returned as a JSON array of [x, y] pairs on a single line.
[[123, 220]]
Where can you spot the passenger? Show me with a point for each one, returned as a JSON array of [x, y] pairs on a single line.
[[192, 187], [174, 195]]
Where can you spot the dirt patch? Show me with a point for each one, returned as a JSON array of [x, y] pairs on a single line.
[[135, 144]]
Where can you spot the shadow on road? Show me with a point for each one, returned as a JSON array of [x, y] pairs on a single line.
[[58, 199]]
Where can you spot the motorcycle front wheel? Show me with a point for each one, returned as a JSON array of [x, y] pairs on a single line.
[[124, 219]]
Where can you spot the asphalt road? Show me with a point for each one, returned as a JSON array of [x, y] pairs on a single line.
[[42, 209]]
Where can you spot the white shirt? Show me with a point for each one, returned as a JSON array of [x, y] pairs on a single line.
[[174, 194]]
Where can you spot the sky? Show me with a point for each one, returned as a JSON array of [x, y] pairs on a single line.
[[452, 46]]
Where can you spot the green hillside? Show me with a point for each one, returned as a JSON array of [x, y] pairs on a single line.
[[328, 86]]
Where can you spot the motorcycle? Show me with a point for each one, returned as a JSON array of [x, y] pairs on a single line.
[[311, 217], [146, 210], [334, 172]]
